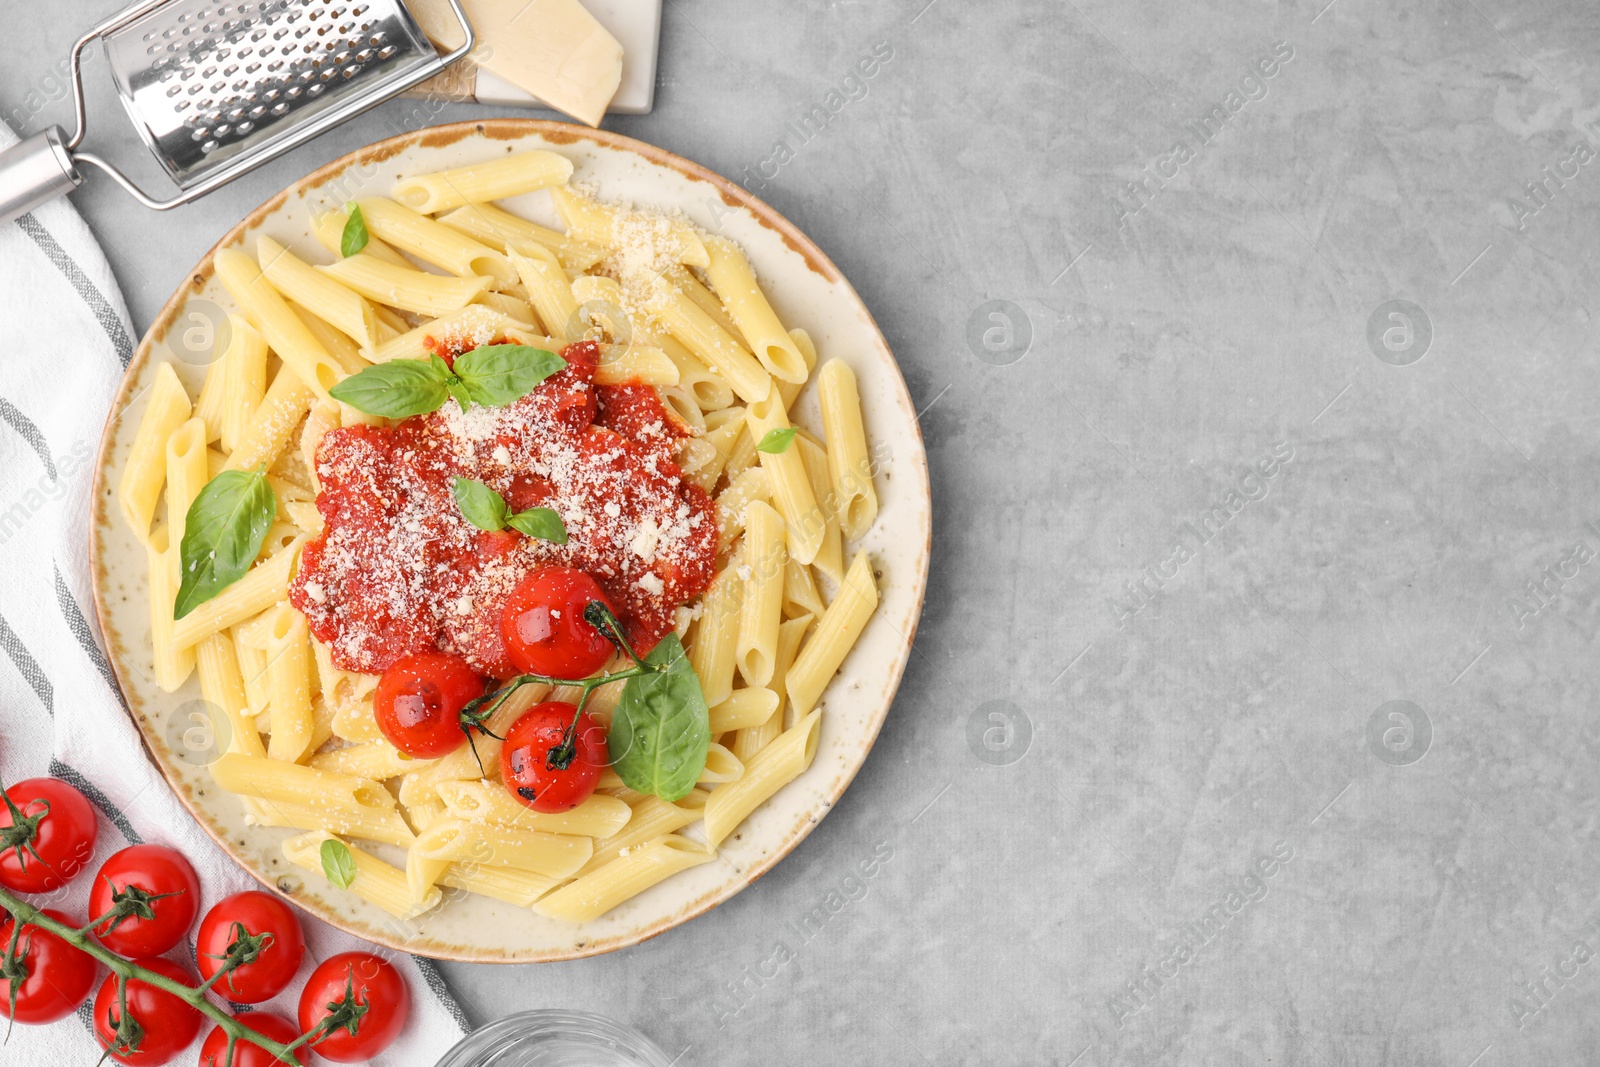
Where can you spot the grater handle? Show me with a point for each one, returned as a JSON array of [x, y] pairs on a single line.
[[34, 172]]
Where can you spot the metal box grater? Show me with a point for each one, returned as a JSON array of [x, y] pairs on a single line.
[[217, 88]]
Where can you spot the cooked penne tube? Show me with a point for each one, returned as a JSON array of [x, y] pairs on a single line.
[[514, 308], [484, 801], [505, 231], [848, 462], [145, 472], [724, 429], [800, 593], [405, 288], [714, 642], [769, 770], [186, 476], [787, 481], [836, 634], [732, 502], [762, 606], [222, 685], [293, 789], [549, 292], [704, 298], [743, 708], [830, 553], [607, 226], [288, 649], [172, 661], [735, 283], [475, 324], [383, 827], [375, 881], [521, 888], [244, 365], [484, 844], [721, 765], [711, 392], [328, 229], [641, 867], [378, 760], [342, 308], [208, 406], [263, 586], [495, 179], [710, 343], [433, 242], [651, 817], [752, 739], [634, 365], [271, 427], [680, 402], [285, 333], [808, 351]]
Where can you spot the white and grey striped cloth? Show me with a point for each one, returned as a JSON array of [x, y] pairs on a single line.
[[67, 342]]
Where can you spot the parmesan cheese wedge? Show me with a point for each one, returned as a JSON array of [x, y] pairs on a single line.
[[553, 49]]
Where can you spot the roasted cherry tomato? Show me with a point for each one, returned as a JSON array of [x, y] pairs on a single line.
[[52, 841], [530, 760], [214, 1053], [166, 1024], [340, 987], [55, 977], [280, 944], [419, 700], [544, 628], [129, 880]]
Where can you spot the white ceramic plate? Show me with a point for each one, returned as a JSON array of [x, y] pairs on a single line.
[[806, 290]]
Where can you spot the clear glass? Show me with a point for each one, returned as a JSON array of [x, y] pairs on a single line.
[[555, 1039]]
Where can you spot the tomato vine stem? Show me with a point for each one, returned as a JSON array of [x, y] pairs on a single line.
[[25, 914]]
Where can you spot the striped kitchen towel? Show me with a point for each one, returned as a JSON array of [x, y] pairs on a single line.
[[68, 342]]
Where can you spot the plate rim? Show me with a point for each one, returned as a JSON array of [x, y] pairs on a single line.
[[558, 133]]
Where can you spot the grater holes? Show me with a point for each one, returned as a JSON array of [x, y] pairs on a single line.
[[351, 71], [387, 51], [364, 55]]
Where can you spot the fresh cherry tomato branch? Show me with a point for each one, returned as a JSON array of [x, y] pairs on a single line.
[[599, 616], [26, 914]]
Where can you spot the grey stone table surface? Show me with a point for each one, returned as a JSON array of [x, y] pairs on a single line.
[[1252, 715]]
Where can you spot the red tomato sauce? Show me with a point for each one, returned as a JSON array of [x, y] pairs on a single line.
[[399, 570]]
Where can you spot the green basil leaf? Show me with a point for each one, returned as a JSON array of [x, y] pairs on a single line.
[[458, 389], [354, 238], [338, 866], [480, 505], [776, 442], [222, 535], [661, 728], [543, 523], [496, 375], [396, 389]]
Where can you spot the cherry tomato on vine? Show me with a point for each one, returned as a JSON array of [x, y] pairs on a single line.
[[280, 945], [419, 700], [359, 989], [157, 895], [214, 1053], [53, 840], [55, 976], [162, 1024], [530, 759], [544, 628]]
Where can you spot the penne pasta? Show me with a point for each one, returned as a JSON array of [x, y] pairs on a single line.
[[285, 333], [145, 471], [405, 287], [849, 467], [761, 609], [714, 641], [433, 242], [788, 482], [505, 231], [836, 634], [769, 770], [342, 308], [829, 559], [735, 283], [744, 708], [607, 226], [752, 739], [375, 881], [495, 179], [625, 877], [710, 343]]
